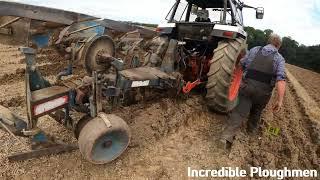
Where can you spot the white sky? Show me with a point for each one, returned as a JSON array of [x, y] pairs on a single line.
[[299, 19]]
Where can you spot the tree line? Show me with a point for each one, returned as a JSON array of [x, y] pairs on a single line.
[[307, 57]]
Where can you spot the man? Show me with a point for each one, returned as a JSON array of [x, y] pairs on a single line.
[[264, 68], [203, 16]]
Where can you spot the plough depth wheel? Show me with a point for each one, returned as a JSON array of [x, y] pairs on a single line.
[[103, 140]]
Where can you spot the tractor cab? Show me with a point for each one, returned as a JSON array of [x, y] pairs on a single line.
[[204, 11], [196, 19]]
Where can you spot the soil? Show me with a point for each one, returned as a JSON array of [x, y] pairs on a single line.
[[168, 135], [309, 79]]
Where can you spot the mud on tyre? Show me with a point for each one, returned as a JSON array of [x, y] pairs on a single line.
[[222, 75]]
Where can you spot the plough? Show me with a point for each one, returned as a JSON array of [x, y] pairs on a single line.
[[198, 48], [79, 104]]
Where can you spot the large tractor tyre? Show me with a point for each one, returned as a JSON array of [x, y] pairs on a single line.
[[102, 140], [224, 77]]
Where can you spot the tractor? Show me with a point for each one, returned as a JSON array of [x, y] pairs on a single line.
[[199, 47], [205, 40]]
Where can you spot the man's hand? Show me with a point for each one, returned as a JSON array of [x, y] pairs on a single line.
[[281, 88], [277, 106]]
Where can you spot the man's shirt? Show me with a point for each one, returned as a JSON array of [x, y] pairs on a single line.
[[278, 61]]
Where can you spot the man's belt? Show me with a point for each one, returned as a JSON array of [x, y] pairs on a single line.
[[259, 76]]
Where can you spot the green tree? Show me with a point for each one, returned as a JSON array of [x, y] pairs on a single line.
[[289, 49], [256, 37], [267, 33], [304, 56]]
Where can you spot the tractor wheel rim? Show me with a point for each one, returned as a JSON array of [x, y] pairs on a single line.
[[235, 83], [236, 79]]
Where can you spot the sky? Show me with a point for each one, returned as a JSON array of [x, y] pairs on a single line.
[[295, 18]]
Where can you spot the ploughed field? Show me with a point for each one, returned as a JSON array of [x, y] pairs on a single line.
[[168, 135], [309, 79]]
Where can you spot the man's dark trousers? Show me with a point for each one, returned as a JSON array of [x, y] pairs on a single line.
[[253, 98]]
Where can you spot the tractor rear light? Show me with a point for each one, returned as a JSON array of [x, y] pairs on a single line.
[[159, 29], [50, 105], [228, 34]]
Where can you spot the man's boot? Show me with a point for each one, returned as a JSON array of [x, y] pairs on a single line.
[[252, 129]]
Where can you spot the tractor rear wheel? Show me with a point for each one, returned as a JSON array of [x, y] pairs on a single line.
[[224, 77], [101, 142]]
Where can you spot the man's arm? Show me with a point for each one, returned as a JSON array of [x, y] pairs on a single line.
[[281, 89], [280, 84]]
